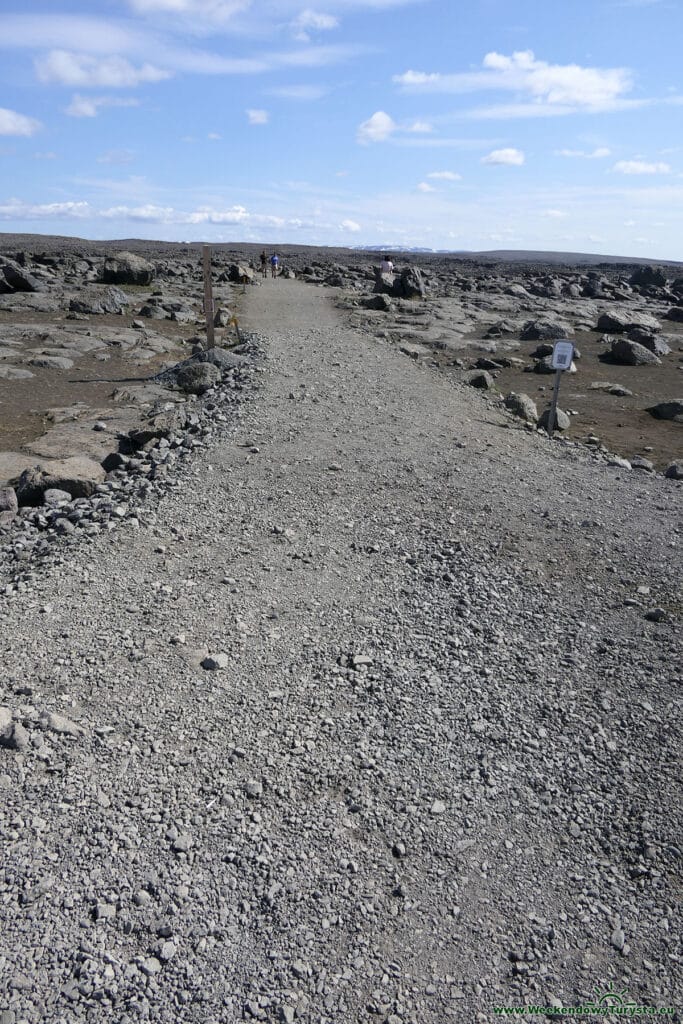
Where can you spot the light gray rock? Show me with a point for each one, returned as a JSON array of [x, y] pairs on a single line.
[[523, 406], [562, 421], [630, 353], [8, 500], [77, 475], [51, 362], [623, 319]]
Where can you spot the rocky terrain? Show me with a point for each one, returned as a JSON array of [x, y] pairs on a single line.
[[332, 689]]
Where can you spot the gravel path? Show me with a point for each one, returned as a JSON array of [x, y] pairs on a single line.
[[434, 766]]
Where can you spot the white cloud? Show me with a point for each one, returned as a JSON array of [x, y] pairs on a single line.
[[421, 127], [257, 116], [425, 187], [553, 85], [641, 167], [596, 154], [555, 214], [298, 92], [349, 225], [445, 175], [117, 156], [15, 209], [12, 123], [217, 11], [510, 157], [214, 136], [82, 70], [89, 106], [377, 128], [312, 21]]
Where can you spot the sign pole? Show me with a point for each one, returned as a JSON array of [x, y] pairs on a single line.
[[208, 296], [563, 353], [553, 405]]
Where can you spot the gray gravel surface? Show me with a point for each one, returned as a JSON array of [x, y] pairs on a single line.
[[374, 716]]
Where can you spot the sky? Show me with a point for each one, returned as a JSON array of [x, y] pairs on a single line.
[[443, 124]]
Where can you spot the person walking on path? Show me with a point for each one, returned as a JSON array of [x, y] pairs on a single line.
[[264, 263], [386, 266], [274, 263]]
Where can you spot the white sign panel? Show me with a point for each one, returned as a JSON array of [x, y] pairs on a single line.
[[563, 354]]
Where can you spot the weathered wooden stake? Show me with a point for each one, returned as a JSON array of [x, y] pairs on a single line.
[[208, 296]]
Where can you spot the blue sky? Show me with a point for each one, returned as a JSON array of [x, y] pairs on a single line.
[[450, 124]]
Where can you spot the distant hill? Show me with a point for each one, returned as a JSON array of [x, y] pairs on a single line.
[[12, 242]]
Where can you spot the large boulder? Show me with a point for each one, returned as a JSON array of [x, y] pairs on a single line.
[[220, 357], [196, 378], [654, 342], [648, 277], [77, 475], [522, 406], [384, 284], [545, 330], [624, 319], [127, 268], [675, 314], [672, 410], [164, 418], [562, 421], [13, 278], [411, 284], [240, 272], [630, 353], [110, 301]]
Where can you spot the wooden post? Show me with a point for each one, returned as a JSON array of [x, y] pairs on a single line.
[[208, 296]]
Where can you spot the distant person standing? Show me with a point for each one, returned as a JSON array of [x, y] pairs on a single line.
[[386, 266], [264, 263], [274, 264]]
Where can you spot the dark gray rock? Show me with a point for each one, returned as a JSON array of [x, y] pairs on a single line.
[[674, 471], [479, 379], [109, 301], [630, 353], [620, 320], [648, 277], [127, 268], [653, 342], [675, 314], [14, 278], [220, 357], [381, 302], [410, 284], [672, 410], [196, 378], [545, 330]]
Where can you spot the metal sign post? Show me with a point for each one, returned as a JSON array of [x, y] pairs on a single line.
[[208, 296], [561, 360]]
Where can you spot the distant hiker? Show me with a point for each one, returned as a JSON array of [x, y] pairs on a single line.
[[264, 263], [386, 266], [274, 264]]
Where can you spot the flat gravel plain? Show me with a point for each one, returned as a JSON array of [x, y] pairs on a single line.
[[372, 714]]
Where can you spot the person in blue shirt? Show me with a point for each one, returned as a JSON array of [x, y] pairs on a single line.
[[274, 264]]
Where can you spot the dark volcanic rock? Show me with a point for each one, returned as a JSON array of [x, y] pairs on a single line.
[[648, 277], [14, 278], [110, 301], [630, 353], [675, 314], [668, 410], [196, 378], [127, 268], [411, 284], [78, 475], [545, 330]]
